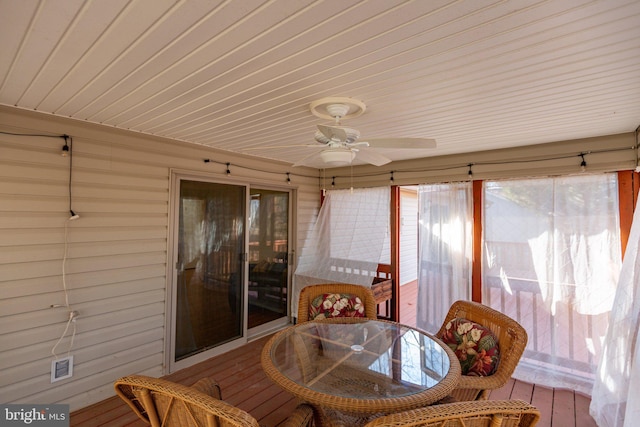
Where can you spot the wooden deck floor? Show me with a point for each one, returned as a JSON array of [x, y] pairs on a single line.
[[408, 298], [245, 385]]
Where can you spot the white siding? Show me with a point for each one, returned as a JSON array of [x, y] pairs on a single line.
[[116, 269], [609, 153], [408, 236]]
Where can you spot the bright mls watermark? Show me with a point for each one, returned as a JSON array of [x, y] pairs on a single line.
[[34, 415]]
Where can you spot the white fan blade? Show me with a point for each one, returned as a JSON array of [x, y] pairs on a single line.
[[266, 147], [402, 143], [357, 144], [372, 157], [333, 133]]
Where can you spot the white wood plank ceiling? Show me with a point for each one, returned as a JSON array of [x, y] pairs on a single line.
[[240, 74]]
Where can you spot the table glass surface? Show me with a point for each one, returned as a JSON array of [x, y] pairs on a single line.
[[363, 359]]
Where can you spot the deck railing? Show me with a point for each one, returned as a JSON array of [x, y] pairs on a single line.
[[559, 335]]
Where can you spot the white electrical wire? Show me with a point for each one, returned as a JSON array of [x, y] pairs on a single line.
[[53, 350], [72, 313]]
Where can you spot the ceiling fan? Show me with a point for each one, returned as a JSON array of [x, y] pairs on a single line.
[[339, 145]]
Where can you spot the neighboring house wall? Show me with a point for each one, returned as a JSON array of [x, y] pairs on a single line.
[[116, 269], [408, 235]]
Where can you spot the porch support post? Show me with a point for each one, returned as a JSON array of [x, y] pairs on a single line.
[[627, 197], [476, 263], [395, 252]]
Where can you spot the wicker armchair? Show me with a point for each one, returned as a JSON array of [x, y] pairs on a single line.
[[512, 339], [308, 293], [160, 402], [489, 413]]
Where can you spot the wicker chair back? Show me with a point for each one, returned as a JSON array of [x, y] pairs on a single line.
[[308, 293], [512, 339]]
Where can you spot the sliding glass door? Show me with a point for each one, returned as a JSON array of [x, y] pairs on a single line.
[[268, 256], [211, 245], [231, 256]]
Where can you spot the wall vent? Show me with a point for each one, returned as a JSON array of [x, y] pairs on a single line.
[[61, 368]]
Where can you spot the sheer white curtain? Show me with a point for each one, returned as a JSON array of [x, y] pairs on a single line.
[[615, 400], [445, 236], [347, 241], [552, 260]]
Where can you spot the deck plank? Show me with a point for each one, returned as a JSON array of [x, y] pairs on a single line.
[[408, 298], [111, 412], [522, 391], [563, 413], [503, 393], [543, 400], [583, 418]]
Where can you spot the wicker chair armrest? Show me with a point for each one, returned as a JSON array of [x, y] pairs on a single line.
[[302, 416], [490, 382], [439, 415]]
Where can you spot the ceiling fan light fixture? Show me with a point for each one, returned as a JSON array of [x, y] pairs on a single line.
[[337, 156], [350, 135], [340, 145]]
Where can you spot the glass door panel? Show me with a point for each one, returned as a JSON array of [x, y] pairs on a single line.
[[268, 256], [211, 244]]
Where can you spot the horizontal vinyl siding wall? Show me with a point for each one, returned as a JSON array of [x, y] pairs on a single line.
[[609, 153], [116, 269], [308, 205]]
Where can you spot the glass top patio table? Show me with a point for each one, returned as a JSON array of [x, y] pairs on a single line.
[[361, 366]]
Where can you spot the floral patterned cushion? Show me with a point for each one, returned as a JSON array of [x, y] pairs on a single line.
[[476, 346], [336, 305]]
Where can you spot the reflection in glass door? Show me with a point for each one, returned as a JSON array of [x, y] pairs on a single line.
[[211, 244], [268, 256]]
